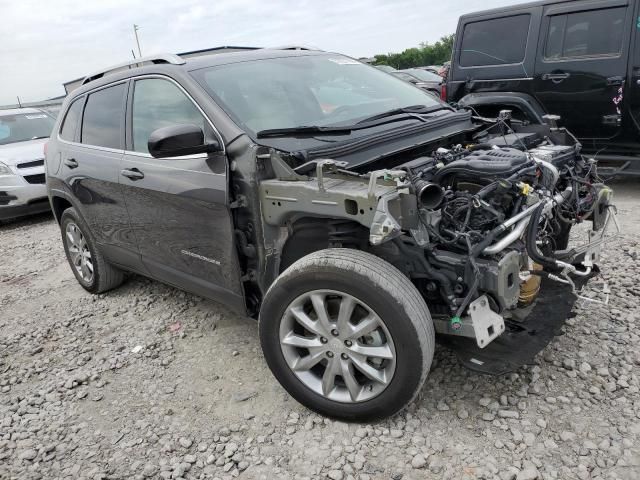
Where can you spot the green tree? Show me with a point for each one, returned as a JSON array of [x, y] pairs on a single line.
[[425, 54]]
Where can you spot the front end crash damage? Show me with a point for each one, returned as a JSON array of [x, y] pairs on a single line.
[[381, 202], [481, 230]]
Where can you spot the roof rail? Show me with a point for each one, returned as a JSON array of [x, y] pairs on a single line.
[[293, 47], [162, 58]]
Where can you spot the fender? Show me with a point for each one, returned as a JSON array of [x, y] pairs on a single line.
[[526, 103], [62, 194]]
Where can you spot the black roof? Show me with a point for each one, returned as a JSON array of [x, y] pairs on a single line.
[[517, 6], [204, 61]]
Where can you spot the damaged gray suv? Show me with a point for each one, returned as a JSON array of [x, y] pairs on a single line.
[[355, 216]]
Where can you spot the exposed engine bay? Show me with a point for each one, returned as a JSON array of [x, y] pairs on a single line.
[[477, 226]]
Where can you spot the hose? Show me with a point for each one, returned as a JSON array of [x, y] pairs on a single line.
[[532, 237]]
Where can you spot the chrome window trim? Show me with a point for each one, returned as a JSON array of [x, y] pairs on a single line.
[[206, 117], [131, 152]]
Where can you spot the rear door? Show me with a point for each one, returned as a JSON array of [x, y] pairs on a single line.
[[495, 52], [631, 112], [582, 64], [178, 206], [90, 165]]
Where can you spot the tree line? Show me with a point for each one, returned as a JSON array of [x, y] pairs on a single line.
[[427, 54]]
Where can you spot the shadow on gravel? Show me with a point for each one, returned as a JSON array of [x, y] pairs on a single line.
[[32, 220]]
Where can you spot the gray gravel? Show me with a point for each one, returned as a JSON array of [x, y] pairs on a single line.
[[151, 382]]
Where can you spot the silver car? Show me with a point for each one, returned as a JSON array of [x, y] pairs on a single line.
[[23, 135]]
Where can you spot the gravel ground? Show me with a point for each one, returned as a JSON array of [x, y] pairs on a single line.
[[151, 382]]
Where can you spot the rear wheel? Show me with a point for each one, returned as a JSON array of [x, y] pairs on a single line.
[[347, 334], [87, 263]]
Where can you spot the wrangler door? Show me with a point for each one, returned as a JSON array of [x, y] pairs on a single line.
[[582, 64]]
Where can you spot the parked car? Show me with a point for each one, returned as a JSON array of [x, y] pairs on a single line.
[[423, 79], [385, 68], [579, 60], [431, 68], [354, 215], [23, 133]]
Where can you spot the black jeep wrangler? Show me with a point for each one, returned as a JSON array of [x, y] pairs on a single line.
[[577, 60], [353, 214]]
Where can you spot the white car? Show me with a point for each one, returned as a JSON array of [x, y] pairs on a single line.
[[23, 134]]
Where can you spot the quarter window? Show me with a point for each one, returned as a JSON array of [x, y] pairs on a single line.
[[103, 115], [499, 41], [159, 103], [70, 123], [586, 34]]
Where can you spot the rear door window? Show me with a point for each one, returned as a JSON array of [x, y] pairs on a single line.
[[586, 34], [499, 41], [103, 116], [70, 123]]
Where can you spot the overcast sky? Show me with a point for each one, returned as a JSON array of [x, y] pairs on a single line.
[[45, 43]]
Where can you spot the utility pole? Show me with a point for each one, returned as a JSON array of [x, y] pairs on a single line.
[[135, 31]]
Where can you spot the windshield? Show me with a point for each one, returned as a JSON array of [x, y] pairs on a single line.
[[424, 75], [310, 90], [24, 126]]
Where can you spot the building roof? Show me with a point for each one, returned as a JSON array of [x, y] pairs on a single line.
[[18, 111]]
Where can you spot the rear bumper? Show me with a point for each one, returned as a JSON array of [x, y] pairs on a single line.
[[618, 165]]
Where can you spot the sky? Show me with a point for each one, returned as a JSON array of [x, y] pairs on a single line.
[[48, 42]]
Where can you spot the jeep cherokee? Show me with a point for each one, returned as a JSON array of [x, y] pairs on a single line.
[[353, 214]]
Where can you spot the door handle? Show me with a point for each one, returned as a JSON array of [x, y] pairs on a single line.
[[132, 174], [615, 81], [556, 77], [71, 162]]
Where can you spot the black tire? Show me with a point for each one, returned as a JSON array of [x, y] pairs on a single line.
[[105, 276], [388, 292]]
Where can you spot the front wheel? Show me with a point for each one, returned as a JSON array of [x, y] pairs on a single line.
[[347, 335]]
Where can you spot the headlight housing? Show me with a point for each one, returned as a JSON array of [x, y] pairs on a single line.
[[4, 170]]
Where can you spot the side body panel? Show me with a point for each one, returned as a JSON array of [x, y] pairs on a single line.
[[89, 175], [631, 101], [585, 90]]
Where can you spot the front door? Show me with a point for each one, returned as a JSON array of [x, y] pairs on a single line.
[[178, 206], [582, 65]]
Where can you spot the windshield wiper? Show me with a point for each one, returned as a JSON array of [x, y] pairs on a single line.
[[360, 125], [38, 138], [412, 109], [302, 130]]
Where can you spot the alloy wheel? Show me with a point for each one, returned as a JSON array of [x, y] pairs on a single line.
[[79, 252], [337, 346]]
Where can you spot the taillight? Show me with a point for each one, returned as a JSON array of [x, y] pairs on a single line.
[[443, 92]]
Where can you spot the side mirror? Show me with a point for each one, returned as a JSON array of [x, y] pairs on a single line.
[[179, 140]]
